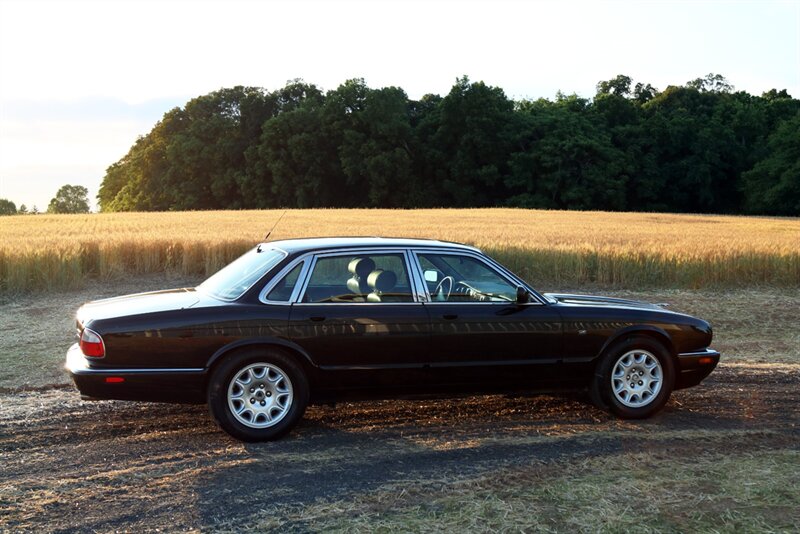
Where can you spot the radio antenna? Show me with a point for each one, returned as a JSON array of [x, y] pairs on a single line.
[[274, 225]]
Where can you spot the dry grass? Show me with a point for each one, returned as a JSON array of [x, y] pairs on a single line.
[[635, 491], [622, 249]]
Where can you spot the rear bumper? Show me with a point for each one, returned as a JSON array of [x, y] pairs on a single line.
[[163, 385], [694, 367]]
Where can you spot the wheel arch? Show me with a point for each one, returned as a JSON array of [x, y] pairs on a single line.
[[655, 332], [303, 358]]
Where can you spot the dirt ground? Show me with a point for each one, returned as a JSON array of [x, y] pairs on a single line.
[[103, 466], [724, 456]]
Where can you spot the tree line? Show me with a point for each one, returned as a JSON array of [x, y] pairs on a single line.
[[699, 147]]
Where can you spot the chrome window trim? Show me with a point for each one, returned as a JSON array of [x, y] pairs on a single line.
[[412, 263], [415, 303], [262, 296], [489, 262], [404, 252], [420, 288]]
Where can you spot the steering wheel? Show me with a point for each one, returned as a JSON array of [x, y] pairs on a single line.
[[478, 295], [439, 291]]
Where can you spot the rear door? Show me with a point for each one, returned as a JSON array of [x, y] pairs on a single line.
[[359, 317]]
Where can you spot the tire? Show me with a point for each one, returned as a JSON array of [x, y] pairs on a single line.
[[258, 394], [635, 378]]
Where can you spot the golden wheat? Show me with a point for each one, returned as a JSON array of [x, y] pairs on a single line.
[[546, 247]]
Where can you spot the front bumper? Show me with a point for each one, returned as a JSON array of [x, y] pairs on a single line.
[[694, 367], [163, 385]]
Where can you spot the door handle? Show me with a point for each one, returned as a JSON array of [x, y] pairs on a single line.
[[317, 318], [449, 316]]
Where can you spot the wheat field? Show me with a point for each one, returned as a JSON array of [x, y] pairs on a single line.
[[46, 252]]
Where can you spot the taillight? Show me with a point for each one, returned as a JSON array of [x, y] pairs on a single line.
[[92, 344]]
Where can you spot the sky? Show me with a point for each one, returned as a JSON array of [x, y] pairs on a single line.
[[81, 80]]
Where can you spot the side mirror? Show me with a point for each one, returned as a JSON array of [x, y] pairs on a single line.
[[523, 296], [431, 276]]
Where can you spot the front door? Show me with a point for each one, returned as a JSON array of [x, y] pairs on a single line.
[[478, 330]]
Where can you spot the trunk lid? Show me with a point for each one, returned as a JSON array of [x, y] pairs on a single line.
[[137, 304]]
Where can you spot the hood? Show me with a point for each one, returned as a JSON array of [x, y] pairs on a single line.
[[591, 300], [137, 304]]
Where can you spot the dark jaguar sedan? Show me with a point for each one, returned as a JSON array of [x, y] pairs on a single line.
[[316, 320]]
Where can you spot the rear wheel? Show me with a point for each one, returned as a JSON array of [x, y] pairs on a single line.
[[635, 378], [258, 394]]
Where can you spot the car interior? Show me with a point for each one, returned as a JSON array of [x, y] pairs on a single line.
[[376, 278], [454, 278], [384, 278]]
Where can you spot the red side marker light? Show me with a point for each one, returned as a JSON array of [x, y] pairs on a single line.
[[114, 379], [705, 361]]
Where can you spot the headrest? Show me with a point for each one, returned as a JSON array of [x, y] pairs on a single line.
[[382, 281], [361, 267]]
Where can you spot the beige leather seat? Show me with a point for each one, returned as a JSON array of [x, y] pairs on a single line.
[[381, 282], [360, 268]]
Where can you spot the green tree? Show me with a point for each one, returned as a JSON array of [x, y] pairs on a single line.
[[567, 160], [629, 147], [644, 93], [620, 85], [7, 207], [23, 209], [138, 181], [256, 183], [372, 132], [619, 114], [711, 83], [302, 162], [70, 199], [779, 106], [206, 156], [470, 139], [695, 149], [773, 184]]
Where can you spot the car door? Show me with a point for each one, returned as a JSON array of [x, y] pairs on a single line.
[[359, 317], [478, 330]]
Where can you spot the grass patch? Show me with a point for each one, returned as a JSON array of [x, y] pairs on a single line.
[[629, 492]]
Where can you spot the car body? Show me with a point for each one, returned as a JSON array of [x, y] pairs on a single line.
[[316, 320]]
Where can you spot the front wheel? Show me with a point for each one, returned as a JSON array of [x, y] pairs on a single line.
[[635, 378], [258, 394]]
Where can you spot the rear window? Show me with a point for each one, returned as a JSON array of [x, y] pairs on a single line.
[[231, 282]]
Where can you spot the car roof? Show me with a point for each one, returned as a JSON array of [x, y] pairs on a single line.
[[331, 243]]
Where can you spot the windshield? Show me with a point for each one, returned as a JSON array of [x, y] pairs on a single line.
[[230, 282]]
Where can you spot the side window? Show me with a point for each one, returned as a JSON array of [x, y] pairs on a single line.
[[282, 292], [459, 278], [359, 278]]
